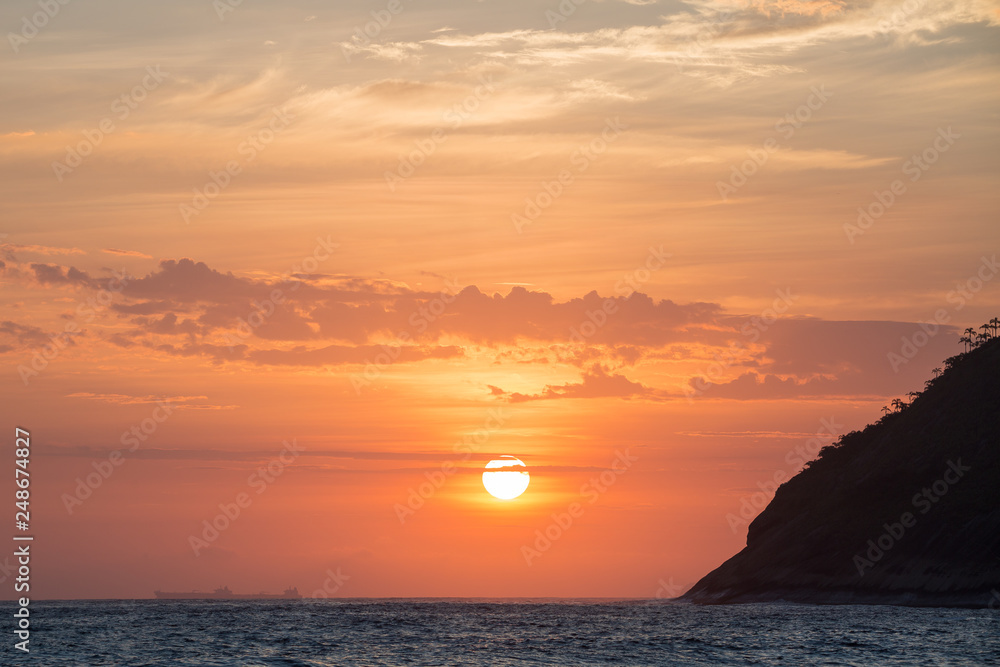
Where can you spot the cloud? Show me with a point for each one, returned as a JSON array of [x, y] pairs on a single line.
[[176, 402], [126, 253], [778, 8], [754, 386], [147, 307], [53, 274], [596, 383], [816, 358], [184, 297], [9, 248], [728, 39], [23, 335], [389, 51], [185, 308], [187, 281], [150, 453], [523, 315], [38, 275], [339, 354], [169, 325], [750, 435], [798, 160], [585, 90]]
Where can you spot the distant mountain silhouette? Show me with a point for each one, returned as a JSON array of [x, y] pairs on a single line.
[[906, 511]]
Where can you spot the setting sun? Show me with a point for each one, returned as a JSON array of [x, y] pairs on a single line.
[[501, 481]]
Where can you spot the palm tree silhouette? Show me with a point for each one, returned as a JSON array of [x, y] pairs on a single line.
[[936, 371], [886, 409], [986, 331], [968, 342], [898, 404], [995, 323]]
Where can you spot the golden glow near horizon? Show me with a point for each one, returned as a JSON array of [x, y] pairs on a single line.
[[503, 480]]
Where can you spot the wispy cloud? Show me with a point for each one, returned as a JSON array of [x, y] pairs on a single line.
[[41, 249], [126, 253], [176, 402]]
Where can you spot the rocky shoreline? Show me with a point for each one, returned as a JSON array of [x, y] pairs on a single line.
[[988, 599], [904, 512]]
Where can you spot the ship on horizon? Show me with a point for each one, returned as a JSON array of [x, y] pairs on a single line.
[[225, 594]]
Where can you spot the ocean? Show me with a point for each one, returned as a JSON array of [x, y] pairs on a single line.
[[501, 632]]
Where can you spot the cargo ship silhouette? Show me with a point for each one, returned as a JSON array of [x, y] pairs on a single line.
[[225, 594]]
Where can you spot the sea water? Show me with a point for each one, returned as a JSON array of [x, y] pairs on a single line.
[[497, 632]]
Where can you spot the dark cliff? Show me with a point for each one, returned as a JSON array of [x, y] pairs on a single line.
[[906, 511]]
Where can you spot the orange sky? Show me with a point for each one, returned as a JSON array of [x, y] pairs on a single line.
[[630, 233]]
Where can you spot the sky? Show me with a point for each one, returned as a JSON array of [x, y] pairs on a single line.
[[279, 279]]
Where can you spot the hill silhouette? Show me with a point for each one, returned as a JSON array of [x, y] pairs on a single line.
[[906, 511]]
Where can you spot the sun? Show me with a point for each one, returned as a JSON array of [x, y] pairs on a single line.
[[502, 481]]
